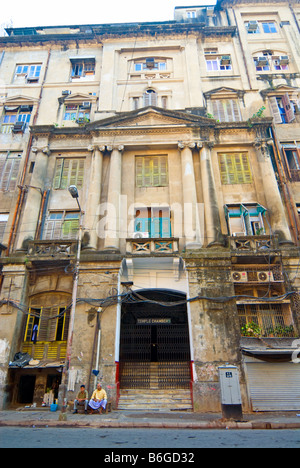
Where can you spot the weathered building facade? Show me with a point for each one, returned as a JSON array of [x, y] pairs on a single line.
[[183, 139]]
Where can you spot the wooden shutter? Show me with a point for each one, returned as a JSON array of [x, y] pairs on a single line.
[[235, 168], [53, 321], [147, 172], [139, 172], [58, 172], [288, 108], [14, 174], [275, 109], [64, 183], [53, 227], [44, 323], [163, 170]]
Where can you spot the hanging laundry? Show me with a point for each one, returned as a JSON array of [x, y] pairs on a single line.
[[34, 333]]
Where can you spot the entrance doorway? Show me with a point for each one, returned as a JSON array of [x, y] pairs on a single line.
[[154, 341], [26, 388]]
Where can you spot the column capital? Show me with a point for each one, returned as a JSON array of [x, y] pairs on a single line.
[[119, 148], [186, 144], [44, 149]]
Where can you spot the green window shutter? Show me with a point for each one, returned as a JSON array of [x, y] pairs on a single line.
[[70, 226], [58, 173], [235, 169], [139, 172], [147, 172], [64, 183]]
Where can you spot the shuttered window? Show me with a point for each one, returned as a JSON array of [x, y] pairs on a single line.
[[61, 225], [151, 171], [282, 109], [51, 324], [3, 222], [68, 172], [226, 110], [9, 171], [235, 168]]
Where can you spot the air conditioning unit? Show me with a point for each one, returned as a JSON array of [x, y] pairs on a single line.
[[261, 61], [66, 92], [239, 276], [141, 235], [150, 62], [239, 234], [18, 127], [252, 26], [265, 276], [283, 60], [210, 10], [225, 60], [85, 105]]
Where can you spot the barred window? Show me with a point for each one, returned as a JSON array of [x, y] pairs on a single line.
[[235, 168]]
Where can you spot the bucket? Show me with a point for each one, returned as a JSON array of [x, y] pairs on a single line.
[[53, 407]]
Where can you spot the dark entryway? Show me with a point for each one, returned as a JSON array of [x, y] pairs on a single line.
[[26, 388], [154, 342]]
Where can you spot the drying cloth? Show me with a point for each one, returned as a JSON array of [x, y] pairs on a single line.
[[72, 380]]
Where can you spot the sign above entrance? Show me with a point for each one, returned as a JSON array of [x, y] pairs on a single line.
[[153, 321]]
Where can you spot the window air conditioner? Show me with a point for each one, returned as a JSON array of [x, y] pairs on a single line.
[[225, 60], [239, 234], [140, 235], [18, 127], [85, 105], [283, 60], [210, 10], [261, 61], [265, 276], [66, 92], [252, 25], [150, 62], [239, 276]]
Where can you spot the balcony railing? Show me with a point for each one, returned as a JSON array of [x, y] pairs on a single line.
[[49, 350], [153, 246], [254, 244], [52, 249]]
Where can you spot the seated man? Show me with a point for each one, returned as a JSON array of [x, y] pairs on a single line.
[[98, 399], [82, 399]]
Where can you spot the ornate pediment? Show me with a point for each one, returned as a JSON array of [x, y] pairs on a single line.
[[150, 117], [20, 101]]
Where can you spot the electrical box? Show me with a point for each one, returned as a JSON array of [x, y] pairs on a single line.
[[230, 392], [230, 385]]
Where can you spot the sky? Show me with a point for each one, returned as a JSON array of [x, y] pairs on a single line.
[[20, 13]]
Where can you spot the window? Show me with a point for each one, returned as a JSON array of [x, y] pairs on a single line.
[[151, 171], [68, 172], [13, 115], [269, 320], [29, 72], [3, 223], [79, 113], [235, 168], [150, 64], [267, 61], [269, 27], [245, 219], [9, 170], [218, 63], [47, 324], [191, 14], [150, 98], [282, 108], [292, 158], [82, 68], [266, 27], [153, 222], [225, 110], [61, 225]]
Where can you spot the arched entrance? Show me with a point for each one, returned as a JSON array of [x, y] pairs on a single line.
[[154, 341]]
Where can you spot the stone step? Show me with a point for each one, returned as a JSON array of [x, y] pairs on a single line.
[[151, 399]]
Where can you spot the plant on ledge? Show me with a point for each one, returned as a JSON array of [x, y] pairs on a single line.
[[251, 329]]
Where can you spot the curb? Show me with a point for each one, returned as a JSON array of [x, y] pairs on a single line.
[[152, 425]]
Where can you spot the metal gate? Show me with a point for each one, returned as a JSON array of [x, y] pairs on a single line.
[[155, 355]]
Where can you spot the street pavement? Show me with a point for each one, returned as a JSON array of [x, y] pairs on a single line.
[[43, 417]]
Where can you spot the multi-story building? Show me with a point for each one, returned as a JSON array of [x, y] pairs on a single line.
[[183, 140]]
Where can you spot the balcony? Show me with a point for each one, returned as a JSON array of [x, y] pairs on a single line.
[[45, 350], [253, 244], [152, 246], [52, 249]]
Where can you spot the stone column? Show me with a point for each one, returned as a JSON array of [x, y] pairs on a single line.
[[112, 234], [275, 208], [190, 207], [92, 212], [211, 206], [34, 196]]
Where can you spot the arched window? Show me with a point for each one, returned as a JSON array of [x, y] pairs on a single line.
[[150, 98]]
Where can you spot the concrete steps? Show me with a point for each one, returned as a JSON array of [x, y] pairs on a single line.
[[155, 400]]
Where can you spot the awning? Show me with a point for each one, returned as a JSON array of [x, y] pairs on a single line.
[[269, 355]]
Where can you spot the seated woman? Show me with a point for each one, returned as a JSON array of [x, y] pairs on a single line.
[[98, 400]]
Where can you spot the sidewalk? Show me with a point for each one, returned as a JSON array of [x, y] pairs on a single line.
[[35, 417]]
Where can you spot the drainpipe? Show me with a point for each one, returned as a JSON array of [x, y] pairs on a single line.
[[22, 189]]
